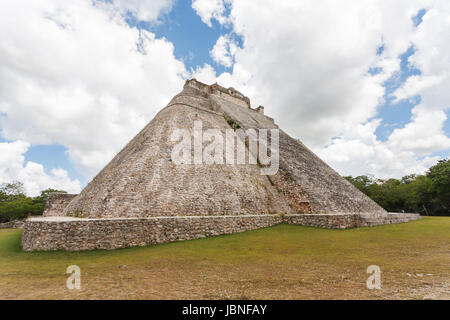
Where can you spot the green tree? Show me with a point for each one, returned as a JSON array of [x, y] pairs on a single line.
[[440, 185], [361, 182], [12, 190], [425, 194], [14, 204]]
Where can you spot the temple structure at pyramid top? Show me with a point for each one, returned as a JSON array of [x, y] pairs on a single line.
[[144, 196]]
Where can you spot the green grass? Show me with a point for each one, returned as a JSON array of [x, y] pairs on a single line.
[[281, 262]]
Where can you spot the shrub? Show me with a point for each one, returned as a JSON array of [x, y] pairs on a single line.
[[20, 209]]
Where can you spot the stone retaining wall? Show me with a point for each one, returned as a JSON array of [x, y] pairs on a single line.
[[329, 221], [348, 220], [15, 224], [73, 234], [370, 220]]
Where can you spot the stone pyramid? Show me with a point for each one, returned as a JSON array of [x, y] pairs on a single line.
[[143, 181], [143, 187]]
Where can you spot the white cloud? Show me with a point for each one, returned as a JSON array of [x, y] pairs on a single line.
[[358, 152], [415, 85], [205, 74], [224, 51], [35, 179], [76, 74], [211, 9], [144, 10], [423, 135], [308, 63]]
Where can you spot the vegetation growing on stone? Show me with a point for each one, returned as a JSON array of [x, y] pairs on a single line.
[[233, 124]]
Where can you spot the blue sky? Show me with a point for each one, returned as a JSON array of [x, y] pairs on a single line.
[[291, 56]]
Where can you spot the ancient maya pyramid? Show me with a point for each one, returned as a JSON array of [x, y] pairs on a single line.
[[142, 197]]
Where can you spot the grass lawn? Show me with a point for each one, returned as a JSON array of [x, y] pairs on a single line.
[[281, 262]]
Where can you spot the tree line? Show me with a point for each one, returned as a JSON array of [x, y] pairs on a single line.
[[15, 204], [427, 194]]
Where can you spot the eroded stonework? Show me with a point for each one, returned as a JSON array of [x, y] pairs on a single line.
[[56, 203]]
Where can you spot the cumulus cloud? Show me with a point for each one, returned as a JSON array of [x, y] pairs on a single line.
[[224, 51], [145, 10], [211, 9], [423, 135], [74, 73], [35, 179], [205, 74], [358, 152], [310, 64], [415, 85]]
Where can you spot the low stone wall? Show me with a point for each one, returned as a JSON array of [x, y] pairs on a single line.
[[15, 224], [348, 220], [329, 221], [370, 220], [56, 203], [73, 234]]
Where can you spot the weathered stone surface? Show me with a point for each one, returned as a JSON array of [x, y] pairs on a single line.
[[73, 234], [55, 233], [15, 224], [56, 203], [369, 220], [348, 220], [329, 221]]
